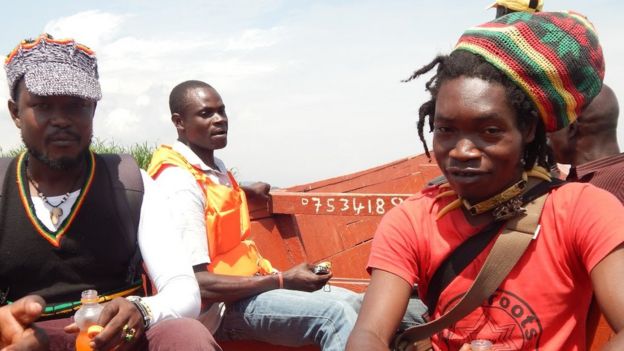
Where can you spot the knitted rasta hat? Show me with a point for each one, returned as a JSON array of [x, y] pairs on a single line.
[[555, 57], [54, 67]]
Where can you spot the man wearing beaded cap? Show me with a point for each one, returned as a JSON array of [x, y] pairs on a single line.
[[493, 99], [65, 227]]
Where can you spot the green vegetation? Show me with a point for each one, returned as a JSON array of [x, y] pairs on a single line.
[[11, 152], [142, 153]]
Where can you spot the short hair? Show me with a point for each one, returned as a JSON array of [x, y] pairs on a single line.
[[178, 97], [463, 63], [601, 115]]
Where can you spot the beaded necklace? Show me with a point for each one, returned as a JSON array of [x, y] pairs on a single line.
[[504, 205], [56, 212]]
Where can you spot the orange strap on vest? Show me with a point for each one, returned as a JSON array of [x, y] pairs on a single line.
[[227, 219]]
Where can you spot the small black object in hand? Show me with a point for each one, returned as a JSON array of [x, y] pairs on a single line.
[[321, 269]]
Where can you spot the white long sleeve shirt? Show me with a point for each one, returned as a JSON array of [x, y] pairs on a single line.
[[186, 203]]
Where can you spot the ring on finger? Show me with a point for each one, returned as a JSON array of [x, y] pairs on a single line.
[[127, 333]]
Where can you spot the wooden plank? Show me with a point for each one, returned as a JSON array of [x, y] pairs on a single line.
[[334, 204], [351, 263], [277, 240], [399, 166], [270, 242], [410, 184], [599, 331], [359, 231], [319, 235]]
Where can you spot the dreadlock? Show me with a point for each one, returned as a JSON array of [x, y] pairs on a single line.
[[463, 63]]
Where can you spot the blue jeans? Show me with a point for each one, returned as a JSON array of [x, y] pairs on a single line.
[[414, 314], [293, 318]]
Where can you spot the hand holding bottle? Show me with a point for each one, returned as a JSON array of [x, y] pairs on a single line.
[[86, 319], [117, 325], [123, 323]]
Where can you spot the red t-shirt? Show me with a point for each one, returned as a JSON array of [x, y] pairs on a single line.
[[544, 301]]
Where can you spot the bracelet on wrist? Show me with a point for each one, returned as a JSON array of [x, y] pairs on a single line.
[[280, 277], [144, 309], [280, 280]]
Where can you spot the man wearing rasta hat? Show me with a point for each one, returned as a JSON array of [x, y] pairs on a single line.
[[69, 218], [493, 99]]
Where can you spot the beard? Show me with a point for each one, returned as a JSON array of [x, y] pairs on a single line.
[[60, 164]]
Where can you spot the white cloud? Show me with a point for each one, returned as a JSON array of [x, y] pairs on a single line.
[[88, 27], [131, 47], [255, 38], [311, 87], [137, 71], [121, 121], [143, 100], [234, 68]]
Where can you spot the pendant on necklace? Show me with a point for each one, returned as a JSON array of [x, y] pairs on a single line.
[[55, 215]]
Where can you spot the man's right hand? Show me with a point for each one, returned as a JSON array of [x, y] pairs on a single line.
[[17, 332], [117, 316], [303, 278]]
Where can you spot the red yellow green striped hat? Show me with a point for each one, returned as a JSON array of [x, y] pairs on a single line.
[[555, 57]]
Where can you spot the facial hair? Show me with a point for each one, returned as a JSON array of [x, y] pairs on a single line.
[[60, 164]]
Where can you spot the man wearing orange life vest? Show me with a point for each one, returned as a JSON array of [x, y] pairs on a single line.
[[211, 216]]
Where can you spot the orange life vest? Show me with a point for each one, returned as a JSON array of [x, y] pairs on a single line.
[[227, 219]]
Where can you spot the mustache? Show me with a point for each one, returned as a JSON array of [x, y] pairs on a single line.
[[62, 134]]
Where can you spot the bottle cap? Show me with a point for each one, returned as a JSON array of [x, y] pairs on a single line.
[[94, 330], [88, 296], [481, 345]]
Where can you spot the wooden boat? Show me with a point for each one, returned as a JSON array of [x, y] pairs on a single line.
[[335, 219]]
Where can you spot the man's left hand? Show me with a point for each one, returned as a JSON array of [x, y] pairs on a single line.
[[302, 277], [257, 190]]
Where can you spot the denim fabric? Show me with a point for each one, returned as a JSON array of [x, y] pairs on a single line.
[[414, 314], [293, 318]]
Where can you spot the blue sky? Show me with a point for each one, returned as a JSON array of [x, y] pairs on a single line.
[[312, 88]]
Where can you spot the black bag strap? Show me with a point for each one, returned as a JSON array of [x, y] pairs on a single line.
[[472, 247], [5, 162], [128, 187], [508, 248], [457, 261]]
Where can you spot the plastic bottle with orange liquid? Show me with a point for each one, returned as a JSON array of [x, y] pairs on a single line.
[[86, 318]]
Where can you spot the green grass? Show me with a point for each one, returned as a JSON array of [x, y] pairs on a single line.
[[11, 152], [142, 152]]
